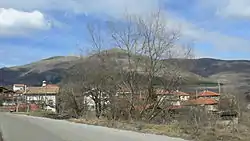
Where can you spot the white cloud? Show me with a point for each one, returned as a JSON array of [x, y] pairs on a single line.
[[116, 8], [221, 41], [228, 8], [235, 8], [110, 7], [14, 22]]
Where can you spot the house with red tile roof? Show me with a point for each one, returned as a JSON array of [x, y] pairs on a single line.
[[45, 92], [209, 94], [175, 97], [179, 94], [9, 97], [210, 104]]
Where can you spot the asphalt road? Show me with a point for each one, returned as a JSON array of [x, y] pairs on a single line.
[[27, 128]]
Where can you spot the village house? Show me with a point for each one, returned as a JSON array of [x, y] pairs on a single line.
[[176, 98], [19, 87], [210, 104], [209, 94], [9, 97], [46, 93], [89, 98]]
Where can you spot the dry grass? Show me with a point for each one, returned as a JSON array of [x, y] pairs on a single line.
[[170, 130], [218, 133]]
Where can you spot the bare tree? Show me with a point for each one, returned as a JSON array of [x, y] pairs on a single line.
[[146, 60], [149, 45]]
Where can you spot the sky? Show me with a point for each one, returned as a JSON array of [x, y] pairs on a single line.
[[31, 30]]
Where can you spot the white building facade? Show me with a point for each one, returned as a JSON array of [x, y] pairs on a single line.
[[19, 87], [44, 93]]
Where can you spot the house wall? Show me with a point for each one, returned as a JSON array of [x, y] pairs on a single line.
[[184, 98], [90, 102], [176, 103], [16, 88], [172, 99], [213, 97], [211, 107], [216, 98], [36, 97]]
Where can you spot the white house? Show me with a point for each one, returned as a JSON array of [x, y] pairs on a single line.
[[175, 98], [45, 93], [88, 99], [19, 87]]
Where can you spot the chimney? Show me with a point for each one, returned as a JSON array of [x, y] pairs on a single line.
[[25, 88], [44, 84]]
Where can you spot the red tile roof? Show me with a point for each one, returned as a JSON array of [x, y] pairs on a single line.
[[51, 85], [203, 101], [181, 93], [208, 93], [42, 90]]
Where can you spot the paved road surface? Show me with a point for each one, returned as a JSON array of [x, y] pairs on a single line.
[[26, 128]]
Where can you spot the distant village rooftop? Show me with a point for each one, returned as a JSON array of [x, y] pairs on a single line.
[[202, 101], [207, 93], [42, 90], [165, 92], [19, 85], [5, 90]]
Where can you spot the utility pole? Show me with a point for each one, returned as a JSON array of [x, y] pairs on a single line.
[[219, 86], [46, 98]]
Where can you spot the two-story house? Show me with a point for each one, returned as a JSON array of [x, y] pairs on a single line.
[[209, 94], [46, 93], [174, 98], [209, 104], [207, 99], [19, 87]]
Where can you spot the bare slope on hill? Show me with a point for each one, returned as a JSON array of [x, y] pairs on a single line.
[[232, 72], [54, 69], [51, 69]]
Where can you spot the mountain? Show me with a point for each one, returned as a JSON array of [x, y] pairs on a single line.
[[233, 72], [206, 70], [50, 69]]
